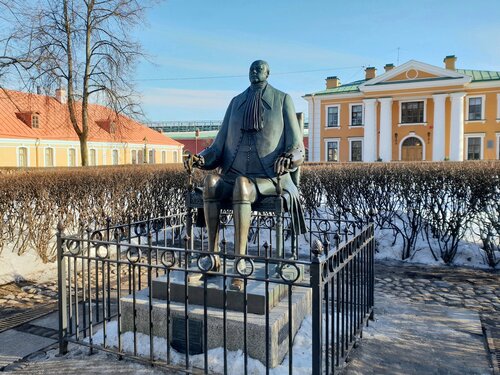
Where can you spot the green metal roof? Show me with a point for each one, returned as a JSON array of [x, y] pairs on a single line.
[[476, 75], [348, 87], [480, 75]]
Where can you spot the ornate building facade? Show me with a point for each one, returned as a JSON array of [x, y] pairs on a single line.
[[412, 112]]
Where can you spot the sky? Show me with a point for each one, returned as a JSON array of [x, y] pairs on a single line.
[[200, 50]]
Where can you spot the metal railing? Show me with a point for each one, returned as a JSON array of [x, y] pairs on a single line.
[[143, 290]]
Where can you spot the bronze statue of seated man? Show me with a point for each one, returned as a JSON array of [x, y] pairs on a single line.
[[259, 140]]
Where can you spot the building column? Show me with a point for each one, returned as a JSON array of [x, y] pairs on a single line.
[[385, 145], [457, 126], [370, 134], [438, 138], [314, 109]]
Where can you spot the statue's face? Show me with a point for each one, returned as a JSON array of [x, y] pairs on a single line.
[[258, 72]]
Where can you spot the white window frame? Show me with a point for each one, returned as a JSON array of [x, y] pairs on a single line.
[[326, 140], [95, 159], [482, 120], [175, 156], [498, 146], [353, 139], [152, 152], [466, 146], [132, 159], [104, 157], [338, 116], [163, 157], [18, 154], [400, 122], [498, 108], [69, 153], [53, 156], [362, 116], [113, 156]]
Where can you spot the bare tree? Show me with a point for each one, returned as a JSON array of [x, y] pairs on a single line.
[[85, 46]]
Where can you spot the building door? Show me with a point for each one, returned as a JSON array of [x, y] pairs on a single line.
[[412, 149]]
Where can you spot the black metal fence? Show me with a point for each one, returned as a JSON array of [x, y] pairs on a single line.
[[143, 290]]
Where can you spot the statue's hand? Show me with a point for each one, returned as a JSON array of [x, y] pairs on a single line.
[[192, 161], [283, 164]]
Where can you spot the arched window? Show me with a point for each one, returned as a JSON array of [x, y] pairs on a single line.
[[93, 156], [134, 157], [22, 157], [49, 157], [71, 157], [115, 157]]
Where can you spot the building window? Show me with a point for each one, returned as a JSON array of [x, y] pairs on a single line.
[[355, 150], [332, 117], [134, 157], [35, 121], [412, 112], [164, 157], [49, 157], [175, 157], [474, 148], [115, 157], [356, 114], [475, 109], [332, 150], [93, 156], [140, 156], [71, 157], [152, 156], [22, 155]]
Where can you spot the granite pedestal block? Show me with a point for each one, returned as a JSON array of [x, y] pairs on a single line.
[[256, 290], [279, 321]]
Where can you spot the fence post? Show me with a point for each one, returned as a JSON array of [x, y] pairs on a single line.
[[62, 292], [317, 308]]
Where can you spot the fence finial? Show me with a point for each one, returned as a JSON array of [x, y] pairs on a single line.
[[317, 248]]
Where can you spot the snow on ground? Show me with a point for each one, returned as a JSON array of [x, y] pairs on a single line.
[[301, 352], [28, 266]]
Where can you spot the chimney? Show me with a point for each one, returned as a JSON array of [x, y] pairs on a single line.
[[370, 72], [449, 62], [332, 82], [388, 67], [61, 96]]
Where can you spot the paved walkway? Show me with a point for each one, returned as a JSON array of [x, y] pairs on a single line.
[[429, 321]]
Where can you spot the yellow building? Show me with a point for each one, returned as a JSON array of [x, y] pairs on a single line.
[[412, 112], [35, 131]]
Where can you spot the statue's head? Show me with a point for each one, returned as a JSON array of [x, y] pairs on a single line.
[[259, 71]]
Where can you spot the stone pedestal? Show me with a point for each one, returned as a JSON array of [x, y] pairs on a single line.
[[279, 320], [256, 289]]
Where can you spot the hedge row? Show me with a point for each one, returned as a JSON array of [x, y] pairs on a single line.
[[32, 202], [443, 202]]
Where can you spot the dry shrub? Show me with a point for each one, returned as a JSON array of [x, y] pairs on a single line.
[[32, 202], [441, 201]]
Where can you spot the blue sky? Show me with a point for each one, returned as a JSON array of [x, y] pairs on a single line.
[[304, 41]]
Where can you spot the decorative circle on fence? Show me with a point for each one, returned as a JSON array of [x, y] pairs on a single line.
[[96, 235], [102, 251], [324, 226], [205, 262], [246, 262], [168, 258], [289, 277], [73, 247], [134, 254], [224, 219], [140, 229], [269, 222]]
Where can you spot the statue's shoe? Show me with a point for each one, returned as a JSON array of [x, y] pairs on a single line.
[[207, 264], [236, 284]]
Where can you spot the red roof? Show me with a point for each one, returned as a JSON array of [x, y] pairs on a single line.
[[54, 121]]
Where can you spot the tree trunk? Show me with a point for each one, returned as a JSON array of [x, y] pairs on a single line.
[[84, 151]]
